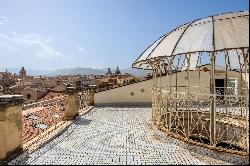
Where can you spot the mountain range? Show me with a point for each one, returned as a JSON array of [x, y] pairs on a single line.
[[78, 70]]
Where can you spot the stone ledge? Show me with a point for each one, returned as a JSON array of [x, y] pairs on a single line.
[[67, 118], [85, 111], [135, 104], [10, 100]]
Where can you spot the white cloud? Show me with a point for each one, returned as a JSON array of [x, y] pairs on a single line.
[[48, 51], [14, 40], [80, 48]]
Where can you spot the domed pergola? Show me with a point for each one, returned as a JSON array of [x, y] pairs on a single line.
[[201, 82]]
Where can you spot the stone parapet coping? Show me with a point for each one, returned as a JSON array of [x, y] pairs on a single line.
[[122, 104], [118, 86], [85, 110], [10, 100]]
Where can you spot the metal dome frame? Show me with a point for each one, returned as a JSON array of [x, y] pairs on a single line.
[[198, 112]]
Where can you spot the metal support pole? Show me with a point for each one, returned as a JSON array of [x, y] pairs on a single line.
[[157, 96], [171, 73], [213, 105], [241, 80], [160, 95], [153, 92], [189, 98], [166, 94], [170, 90], [245, 55], [226, 81]]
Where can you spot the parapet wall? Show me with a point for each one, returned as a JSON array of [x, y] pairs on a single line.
[[10, 125], [136, 94]]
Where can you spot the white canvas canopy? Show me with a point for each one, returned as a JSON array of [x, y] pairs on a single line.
[[211, 34]]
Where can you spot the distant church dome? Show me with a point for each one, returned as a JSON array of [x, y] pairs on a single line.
[[22, 72], [109, 72]]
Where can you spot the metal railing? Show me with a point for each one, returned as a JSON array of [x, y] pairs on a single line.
[[189, 116]]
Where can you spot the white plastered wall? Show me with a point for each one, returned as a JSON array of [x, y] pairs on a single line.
[[134, 93]]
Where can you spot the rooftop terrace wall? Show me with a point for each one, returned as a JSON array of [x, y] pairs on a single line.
[[134, 94]]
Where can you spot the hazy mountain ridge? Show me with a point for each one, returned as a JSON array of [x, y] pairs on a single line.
[[77, 70]]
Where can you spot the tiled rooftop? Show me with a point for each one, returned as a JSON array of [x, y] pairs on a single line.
[[36, 120], [108, 135]]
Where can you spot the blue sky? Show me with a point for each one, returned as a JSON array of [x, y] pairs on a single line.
[[55, 34]]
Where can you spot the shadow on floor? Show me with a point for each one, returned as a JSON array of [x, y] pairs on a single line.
[[82, 121]]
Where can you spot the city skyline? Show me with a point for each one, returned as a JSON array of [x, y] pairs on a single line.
[[47, 35]]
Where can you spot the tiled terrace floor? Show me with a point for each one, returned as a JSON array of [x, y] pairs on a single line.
[[110, 135]]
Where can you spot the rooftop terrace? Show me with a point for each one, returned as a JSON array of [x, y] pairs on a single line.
[[118, 135]]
